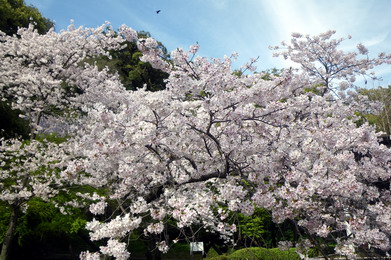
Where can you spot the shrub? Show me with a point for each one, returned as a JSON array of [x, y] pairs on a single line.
[[250, 253], [220, 257], [278, 254], [255, 253]]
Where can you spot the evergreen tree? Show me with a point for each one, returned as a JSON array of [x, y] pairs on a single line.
[[133, 72], [15, 13]]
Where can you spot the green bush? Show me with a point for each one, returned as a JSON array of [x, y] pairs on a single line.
[[279, 254], [220, 257], [251, 253], [259, 253]]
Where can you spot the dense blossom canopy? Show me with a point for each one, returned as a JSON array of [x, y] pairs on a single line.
[[212, 142]]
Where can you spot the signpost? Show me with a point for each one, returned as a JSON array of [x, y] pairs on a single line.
[[196, 247]]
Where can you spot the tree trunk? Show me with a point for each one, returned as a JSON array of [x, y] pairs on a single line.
[[9, 236]]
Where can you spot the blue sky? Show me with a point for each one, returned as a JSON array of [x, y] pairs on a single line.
[[247, 27]]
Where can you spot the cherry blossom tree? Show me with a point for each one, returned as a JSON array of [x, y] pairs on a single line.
[[211, 143], [43, 77], [213, 139]]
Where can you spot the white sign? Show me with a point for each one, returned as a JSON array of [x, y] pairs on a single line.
[[197, 247]]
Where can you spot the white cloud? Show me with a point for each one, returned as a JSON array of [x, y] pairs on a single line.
[[293, 16], [376, 40]]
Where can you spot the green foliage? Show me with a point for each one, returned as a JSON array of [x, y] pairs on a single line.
[[212, 253], [133, 72], [279, 254], [270, 73], [220, 257], [11, 125], [381, 120], [253, 253], [52, 138], [237, 73], [77, 225], [256, 228], [366, 118], [316, 89], [138, 247], [260, 230], [5, 214], [250, 253], [43, 220], [178, 251], [15, 13], [314, 252]]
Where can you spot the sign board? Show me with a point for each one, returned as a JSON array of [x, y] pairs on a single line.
[[196, 247]]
